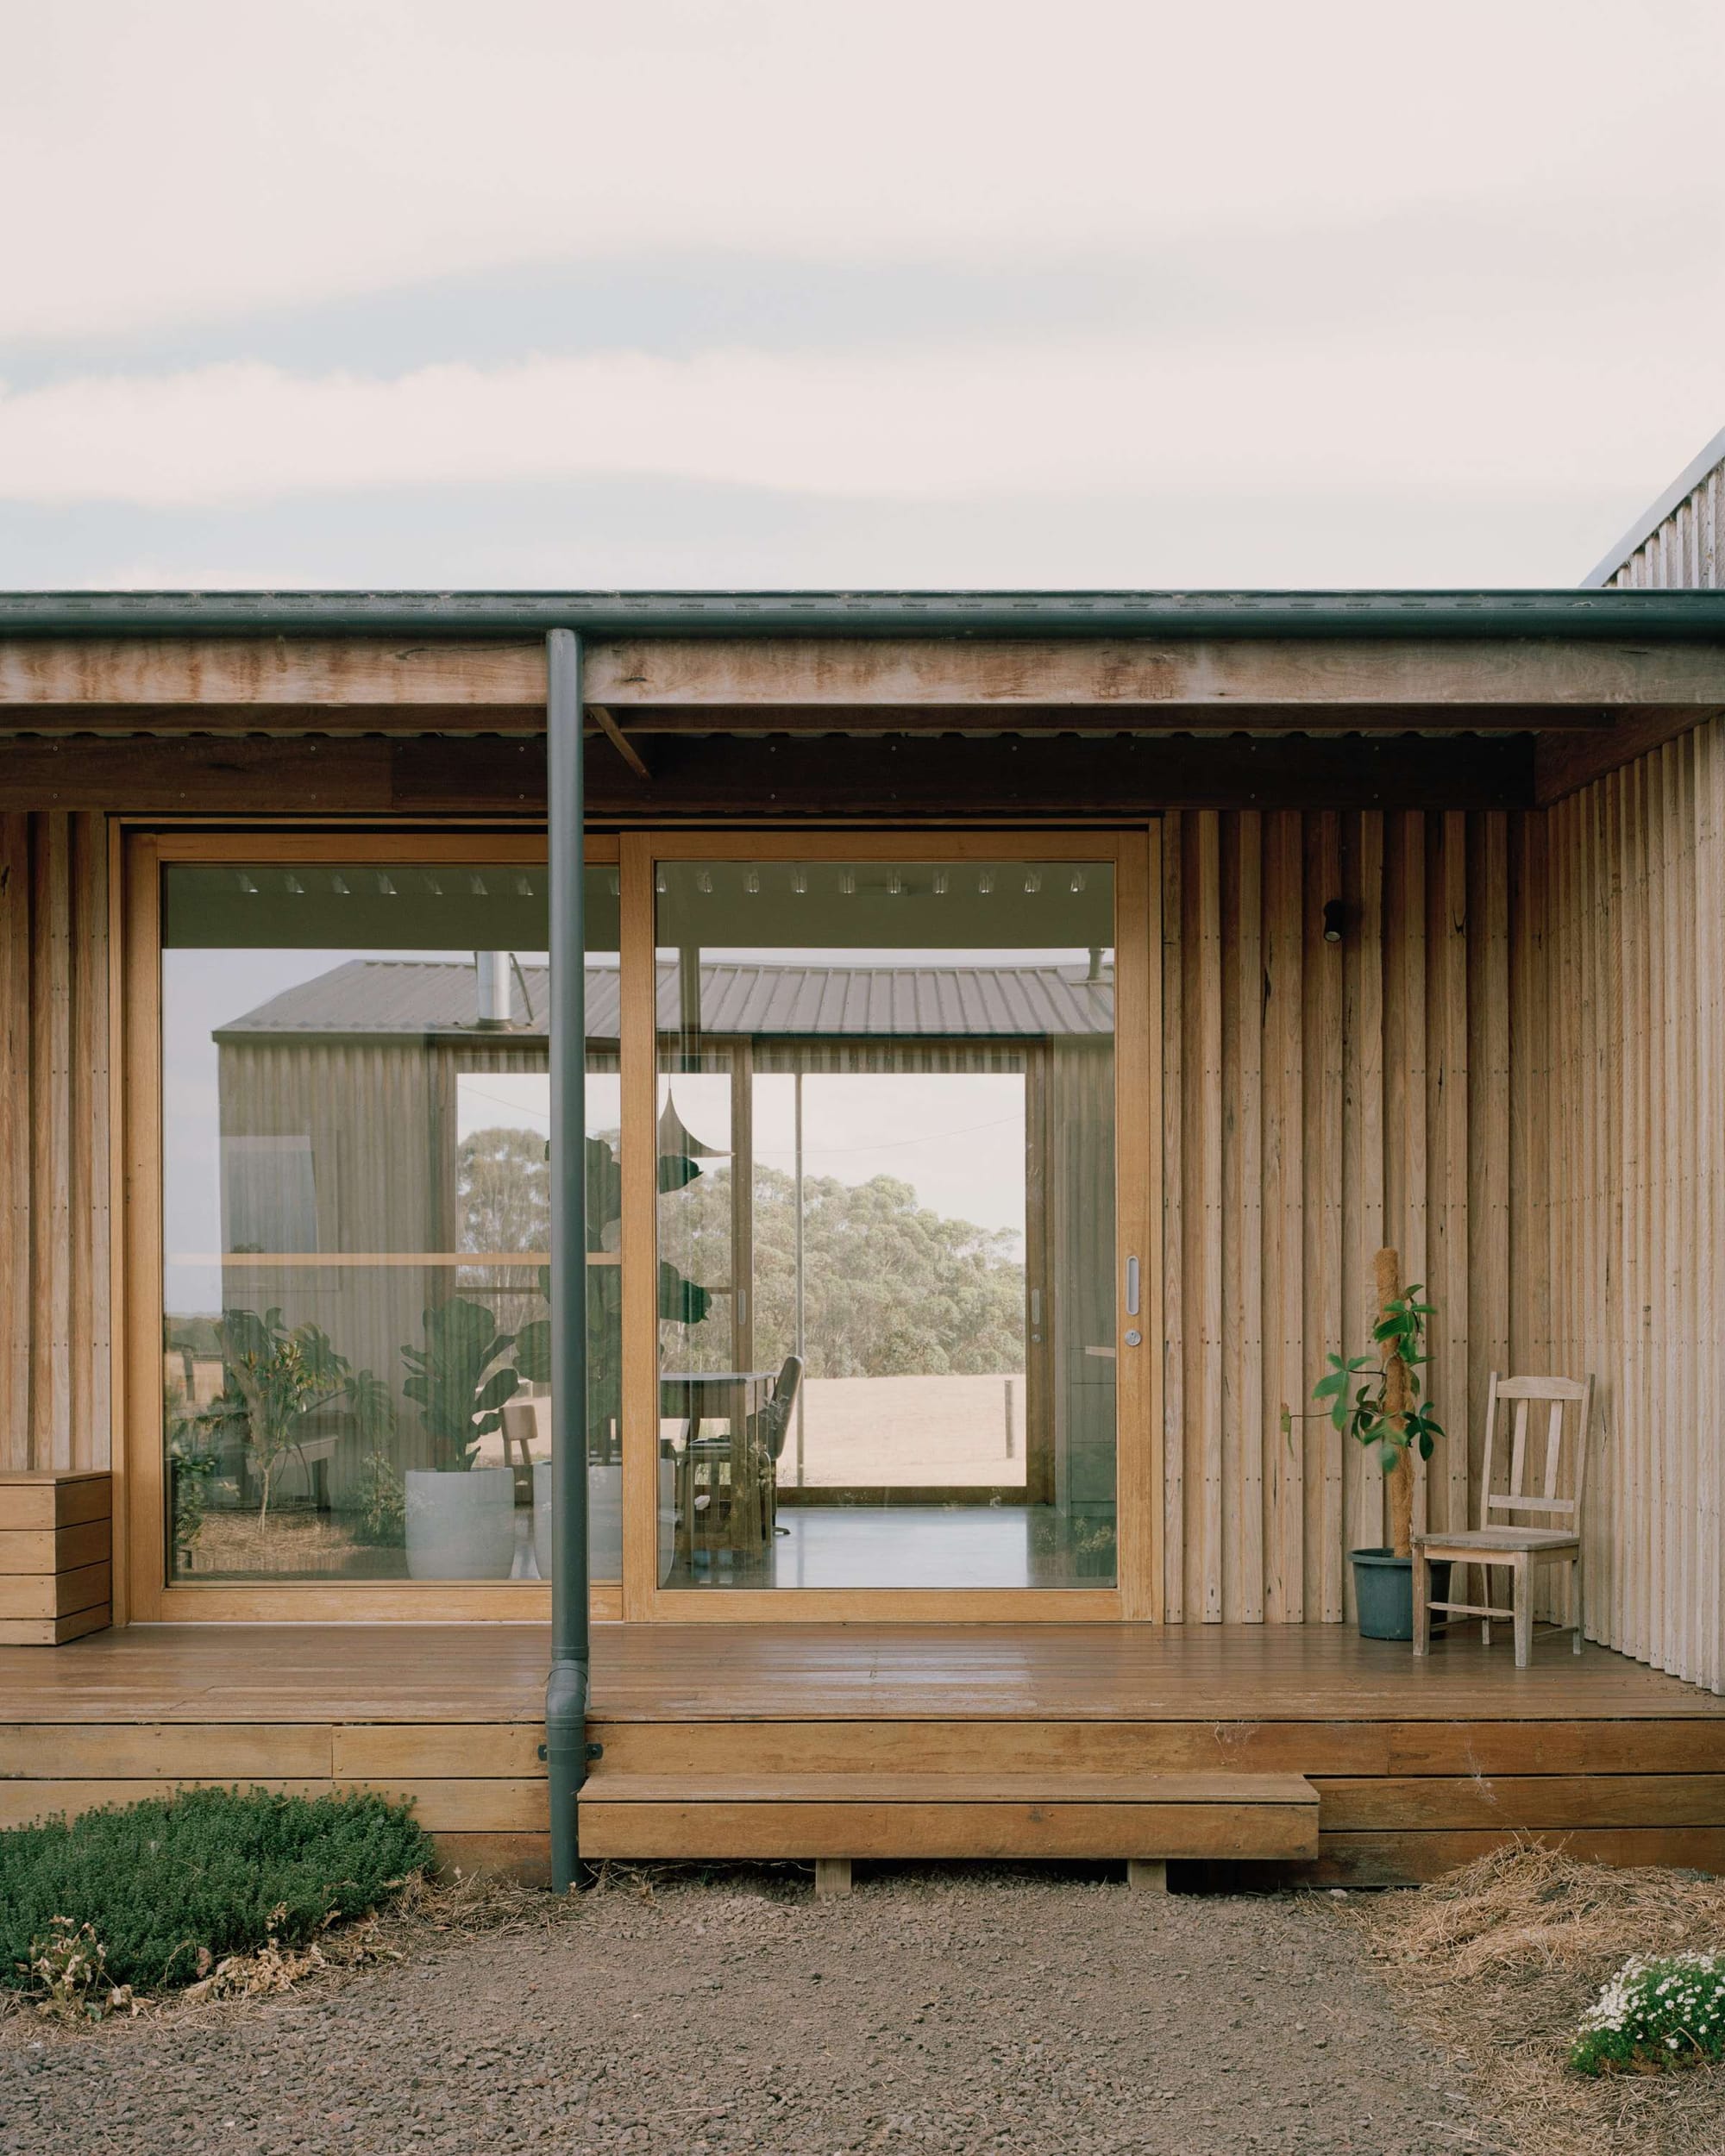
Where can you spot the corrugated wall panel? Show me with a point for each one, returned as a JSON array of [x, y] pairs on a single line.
[[54, 1299]]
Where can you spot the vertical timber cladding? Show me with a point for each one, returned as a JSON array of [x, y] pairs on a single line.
[[1320, 1099], [1636, 943], [55, 1300]]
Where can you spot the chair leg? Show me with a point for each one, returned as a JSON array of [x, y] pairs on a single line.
[[1423, 1615], [1575, 1574], [1524, 1612]]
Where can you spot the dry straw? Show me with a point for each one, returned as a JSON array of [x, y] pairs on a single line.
[[1501, 1961]]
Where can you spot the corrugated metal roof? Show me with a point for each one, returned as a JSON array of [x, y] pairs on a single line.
[[368, 997], [1368, 613]]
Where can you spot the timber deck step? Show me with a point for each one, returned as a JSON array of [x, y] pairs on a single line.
[[1263, 1816]]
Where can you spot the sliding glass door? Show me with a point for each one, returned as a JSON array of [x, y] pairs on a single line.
[[892, 1356]]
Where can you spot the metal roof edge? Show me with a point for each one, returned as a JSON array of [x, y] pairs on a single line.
[[1600, 575], [1587, 612]]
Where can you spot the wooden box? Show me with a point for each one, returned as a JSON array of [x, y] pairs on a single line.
[[56, 1555]]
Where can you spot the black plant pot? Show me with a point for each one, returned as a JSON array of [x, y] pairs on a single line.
[[1384, 1587]]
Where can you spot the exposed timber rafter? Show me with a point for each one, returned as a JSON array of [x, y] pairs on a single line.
[[618, 740]]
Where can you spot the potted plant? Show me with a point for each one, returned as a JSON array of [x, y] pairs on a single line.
[[678, 1298], [460, 1515], [276, 1378], [1385, 1411]]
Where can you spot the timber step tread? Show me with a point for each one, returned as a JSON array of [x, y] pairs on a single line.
[[911, 1815], [1060, 1786]]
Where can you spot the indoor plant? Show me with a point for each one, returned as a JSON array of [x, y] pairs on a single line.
[[460, 1516], [1385, 1411]]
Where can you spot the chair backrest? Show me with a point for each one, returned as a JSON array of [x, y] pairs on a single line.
[[776, 1417], [1535, 1476], [527, 1423]]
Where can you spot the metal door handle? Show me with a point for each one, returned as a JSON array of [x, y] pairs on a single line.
[[1131, 1287]]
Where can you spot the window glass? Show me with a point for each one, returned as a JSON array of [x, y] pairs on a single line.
[[885, 1174], [355, 1207]]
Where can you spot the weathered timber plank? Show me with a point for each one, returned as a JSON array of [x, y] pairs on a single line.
[[525, 1857], [691, 1748], [270, 670], [293, 673], [1406, 1859], [977, 1830], [388, 1752], [1582, 1746], [55, 1594], [1144, 670], [24, 1803], [51, 1501], [1515, 1802], [53, 1632], [163, 1752], [464, 1805], [55, 1548], [1312, 1747], [610, 1786]]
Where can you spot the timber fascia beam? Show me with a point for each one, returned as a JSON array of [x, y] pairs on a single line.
[[298, 683]]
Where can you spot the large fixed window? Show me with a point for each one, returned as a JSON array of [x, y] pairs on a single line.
[[354, 1085]]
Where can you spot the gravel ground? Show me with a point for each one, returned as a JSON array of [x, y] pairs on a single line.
[[949, 2009]]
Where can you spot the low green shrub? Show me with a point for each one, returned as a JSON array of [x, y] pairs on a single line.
[[168, 1887], [1655, 2013]]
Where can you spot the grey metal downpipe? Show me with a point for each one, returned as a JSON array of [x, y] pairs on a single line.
[[567, 1688]]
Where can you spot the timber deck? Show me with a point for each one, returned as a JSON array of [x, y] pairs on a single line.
[[900, 1739]]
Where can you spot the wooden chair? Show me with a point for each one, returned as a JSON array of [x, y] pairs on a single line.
[[1518, 1545], [770, 1430]]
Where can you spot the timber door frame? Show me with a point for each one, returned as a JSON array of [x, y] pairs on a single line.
[[139, 1465], [1134, 854]]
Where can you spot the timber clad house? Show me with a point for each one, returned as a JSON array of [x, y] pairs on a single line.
[[908, 1089]]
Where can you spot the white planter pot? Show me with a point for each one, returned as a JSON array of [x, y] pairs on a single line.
[[604, 1518], [460, 1523]]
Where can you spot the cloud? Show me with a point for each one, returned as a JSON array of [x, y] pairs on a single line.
[[193, 160], [1101, 417]]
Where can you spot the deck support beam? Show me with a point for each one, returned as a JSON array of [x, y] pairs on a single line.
[[832, 1877], [568, 1687], [1147, 1875]]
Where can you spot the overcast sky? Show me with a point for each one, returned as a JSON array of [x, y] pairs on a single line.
[[788, 292]]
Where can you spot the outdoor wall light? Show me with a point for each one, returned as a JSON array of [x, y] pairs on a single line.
[[339, 886], [847, 883], [1335, 915], [751, 882], [940, 883], [703, 882], [799, 881], [1077, 882], [386, 889], [1032, 881], [985, 881]]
